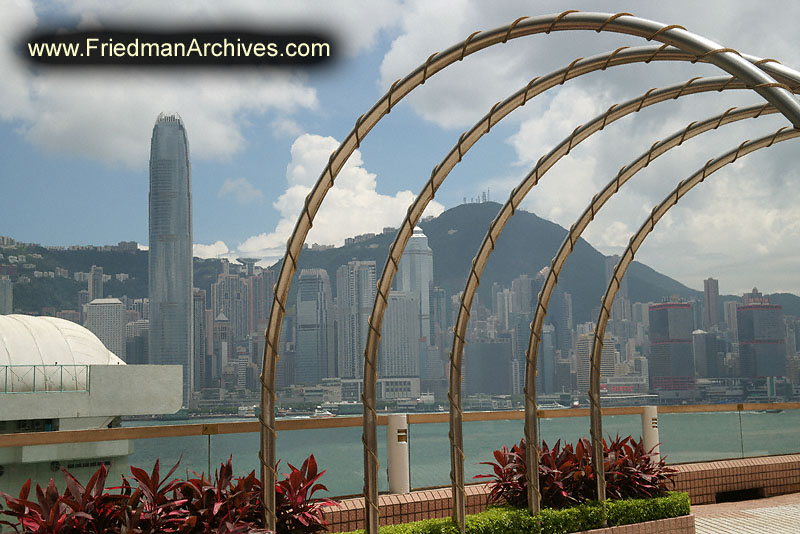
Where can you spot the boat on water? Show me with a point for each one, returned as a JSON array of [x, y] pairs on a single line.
[[551, 406], [321, 413], [247, 411]]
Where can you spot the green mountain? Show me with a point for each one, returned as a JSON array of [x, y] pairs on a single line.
[[527, 244]]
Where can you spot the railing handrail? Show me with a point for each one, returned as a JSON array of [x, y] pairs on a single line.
[[208, 429]]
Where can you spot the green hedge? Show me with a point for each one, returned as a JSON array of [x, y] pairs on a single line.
[[504, 520]]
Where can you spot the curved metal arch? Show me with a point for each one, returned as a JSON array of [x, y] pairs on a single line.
[[496, 228], [619, 23], [636, 241], [440, 173], [576, 230]]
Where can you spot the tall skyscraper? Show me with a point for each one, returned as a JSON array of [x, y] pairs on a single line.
[[710, 303], [415, 277], [762, 338], [355, 295], [170, 256], [671, 363], [314, 350], [400, 347], [583, 356]]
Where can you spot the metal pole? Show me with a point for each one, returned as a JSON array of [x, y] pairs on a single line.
[[397, 453], [650, 431]]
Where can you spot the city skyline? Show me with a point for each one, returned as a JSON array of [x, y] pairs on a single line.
[[263, 137]]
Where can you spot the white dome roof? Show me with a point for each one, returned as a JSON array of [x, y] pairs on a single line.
[[28, 340]]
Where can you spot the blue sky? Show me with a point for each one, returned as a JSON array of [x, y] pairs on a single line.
[[74, 145]]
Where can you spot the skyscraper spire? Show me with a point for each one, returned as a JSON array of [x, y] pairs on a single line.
[[170, 257]]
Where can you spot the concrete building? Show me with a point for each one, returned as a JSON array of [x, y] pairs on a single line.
[[400, 341], [583, 354], [6, 296], [711, 305], [415, 277], [762, 339], [106, 319], [671, 361], [315, 349], [95, 281], [355, 295], [170, 257], [71, 381]]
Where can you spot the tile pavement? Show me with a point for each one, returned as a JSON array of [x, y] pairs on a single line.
[[773, 515]]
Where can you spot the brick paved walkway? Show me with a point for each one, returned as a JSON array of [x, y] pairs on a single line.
[[775, 515]]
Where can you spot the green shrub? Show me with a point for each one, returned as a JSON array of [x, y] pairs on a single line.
[[507, 520], [629, 511]]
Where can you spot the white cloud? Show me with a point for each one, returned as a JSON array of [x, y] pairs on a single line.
[[104, 114], [215, 250], [351, 207], [241, 190]]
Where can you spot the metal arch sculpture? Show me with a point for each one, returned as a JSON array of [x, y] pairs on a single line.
[[518, 194], [619, 23], [466, 141], [648, 225], [558, 262], [599, 200]]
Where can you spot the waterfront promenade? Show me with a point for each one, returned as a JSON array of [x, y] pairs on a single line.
[[773, 515]]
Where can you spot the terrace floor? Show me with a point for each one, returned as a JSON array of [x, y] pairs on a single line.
[[773, 515]]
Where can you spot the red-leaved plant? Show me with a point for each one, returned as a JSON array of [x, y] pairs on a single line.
[[566, 475], [297, 510], [224, 505]]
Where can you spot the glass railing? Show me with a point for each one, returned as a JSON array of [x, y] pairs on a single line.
[[686, 433], [43, 378]]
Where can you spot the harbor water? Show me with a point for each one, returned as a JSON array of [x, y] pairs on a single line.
[[684, 438]]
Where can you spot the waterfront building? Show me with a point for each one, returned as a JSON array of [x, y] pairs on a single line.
[[709, 354], [488, 367], [400, 348], [415, 277], [671, 361], [710, 303], [583, 356], [315, 350], [200, 335], [71, 381], [106, 319], [762, 338], [355, 295], [170, 248]]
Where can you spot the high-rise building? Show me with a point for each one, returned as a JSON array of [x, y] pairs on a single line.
[[709, 354], [762, 339], [710, 303], [106, 319], [583, 356], [200, 335], [415, 277], [170, 248], [671, 361], [314, 350], [95, 283], [6, 296], [488, 367], [230, 295], [355, 295], [400, 346]]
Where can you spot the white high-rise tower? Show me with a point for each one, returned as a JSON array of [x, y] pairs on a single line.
[[415, 278]]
